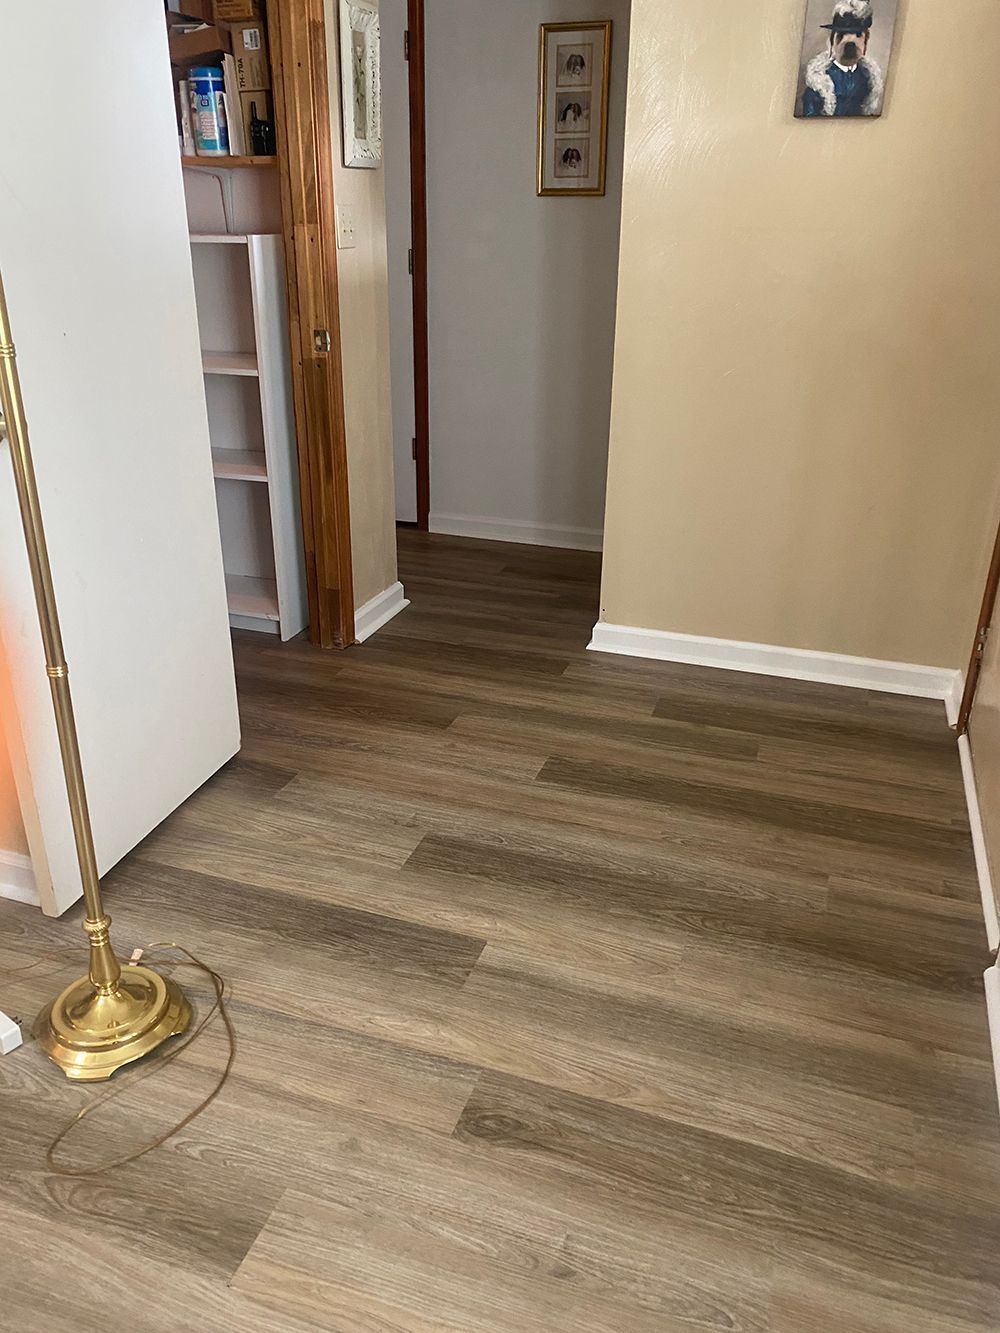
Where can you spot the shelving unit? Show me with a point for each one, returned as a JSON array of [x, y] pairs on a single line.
[[242, 315]]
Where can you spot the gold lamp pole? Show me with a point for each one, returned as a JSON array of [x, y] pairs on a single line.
[[109, 1017]]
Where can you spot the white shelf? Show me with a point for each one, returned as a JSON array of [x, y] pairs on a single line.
[[229, 363], [256, 598], [217, 238], [242, 304], [239, 464]]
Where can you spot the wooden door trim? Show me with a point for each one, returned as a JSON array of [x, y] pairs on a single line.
[[418, 233], [986, 614], [298, 37]]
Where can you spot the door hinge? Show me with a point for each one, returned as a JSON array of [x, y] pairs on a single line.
[[406, 44], [414, 447], [321, 340], [409, 262], [981, 638]]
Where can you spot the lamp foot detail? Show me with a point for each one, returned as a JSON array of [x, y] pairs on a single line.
[[90, 1034]]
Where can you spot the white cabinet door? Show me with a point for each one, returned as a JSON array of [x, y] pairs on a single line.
[[95, 259]]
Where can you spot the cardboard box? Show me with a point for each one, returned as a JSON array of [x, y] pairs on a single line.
[[196, 48], [265, 111], [253, 66], [236, 11], [191, 9]]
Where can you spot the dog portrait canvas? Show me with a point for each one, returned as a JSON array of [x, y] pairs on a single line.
[[846, 50]]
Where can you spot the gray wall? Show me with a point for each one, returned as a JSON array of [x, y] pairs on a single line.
[[522, 289]]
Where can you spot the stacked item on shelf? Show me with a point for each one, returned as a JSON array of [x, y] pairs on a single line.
[[222, 74]]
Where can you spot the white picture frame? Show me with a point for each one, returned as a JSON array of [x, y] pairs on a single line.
[[360, 83]]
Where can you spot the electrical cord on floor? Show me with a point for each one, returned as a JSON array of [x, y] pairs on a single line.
[[149, 1066], [219, 1007]]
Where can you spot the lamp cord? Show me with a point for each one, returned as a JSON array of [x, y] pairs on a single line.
[[150, 1066], [220, 1008]]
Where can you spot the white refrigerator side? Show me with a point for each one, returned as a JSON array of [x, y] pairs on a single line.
[[95, 258]]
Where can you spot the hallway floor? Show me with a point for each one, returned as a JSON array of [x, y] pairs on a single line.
[[573, 993]]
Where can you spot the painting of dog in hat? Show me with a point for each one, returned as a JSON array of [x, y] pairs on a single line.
[[845, 57]]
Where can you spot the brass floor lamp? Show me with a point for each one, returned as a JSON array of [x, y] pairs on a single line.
[[112, 1015]]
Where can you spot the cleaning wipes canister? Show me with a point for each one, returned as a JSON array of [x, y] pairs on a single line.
[[211, 136]]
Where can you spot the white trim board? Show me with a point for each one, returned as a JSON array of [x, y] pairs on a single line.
[[379, 610], [514, 530], [986, 890], [17, 879], [991, 979], [765, 659]]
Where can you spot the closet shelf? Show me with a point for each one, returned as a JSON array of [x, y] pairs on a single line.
[[217, 238], [239, 464], [252, 597], [229, 163], [229, 363]]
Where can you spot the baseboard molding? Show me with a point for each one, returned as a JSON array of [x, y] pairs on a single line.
[[764, 659], [991, 915], [378, 611], [17, 880], [528, 534], [991, 980]]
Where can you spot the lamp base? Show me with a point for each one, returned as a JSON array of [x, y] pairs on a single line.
[[90, 1036]]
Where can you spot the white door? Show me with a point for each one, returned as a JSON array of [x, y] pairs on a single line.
[[396, 164], [95, 259]]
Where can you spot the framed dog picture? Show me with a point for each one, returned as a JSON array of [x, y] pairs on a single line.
[[360, 83], [845, 57], [574, 70]]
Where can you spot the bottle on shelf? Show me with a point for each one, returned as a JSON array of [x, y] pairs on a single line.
[[211, 135]]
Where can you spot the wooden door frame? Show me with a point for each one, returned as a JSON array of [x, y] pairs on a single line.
[[986, 613], [297, 30], [416, 56]]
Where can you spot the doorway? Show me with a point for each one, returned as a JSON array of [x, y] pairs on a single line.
[[501, 423]]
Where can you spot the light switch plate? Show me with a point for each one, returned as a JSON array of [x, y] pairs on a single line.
[[345, 228]]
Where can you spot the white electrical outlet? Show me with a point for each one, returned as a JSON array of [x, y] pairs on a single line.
[[10, 1035], [345, 228]]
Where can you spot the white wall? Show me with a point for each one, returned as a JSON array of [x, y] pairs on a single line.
[[522, 289], [396, 157]]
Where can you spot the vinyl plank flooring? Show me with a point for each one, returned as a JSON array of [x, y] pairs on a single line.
[[443, 1235], [572, 992], [881, 1239]]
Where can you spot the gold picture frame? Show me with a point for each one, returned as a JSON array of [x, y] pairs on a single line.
[[574, 77]]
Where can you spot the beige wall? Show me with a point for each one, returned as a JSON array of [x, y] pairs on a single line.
[[806, 407], [364, 318]]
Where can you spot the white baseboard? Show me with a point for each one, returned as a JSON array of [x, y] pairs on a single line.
[[764, 659], [378, 611], [17, 880], [991, 980], [990, 912], [529, 534]]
